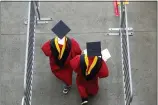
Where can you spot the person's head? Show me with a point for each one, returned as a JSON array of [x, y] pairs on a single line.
[[61, 29], [93, 49]]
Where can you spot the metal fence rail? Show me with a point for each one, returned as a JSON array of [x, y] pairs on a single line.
[[126, 64], [40, 20], [29, 57], [34, 18], [36, 7]]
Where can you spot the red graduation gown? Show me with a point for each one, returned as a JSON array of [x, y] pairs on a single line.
[[90, 87], [64, 74]]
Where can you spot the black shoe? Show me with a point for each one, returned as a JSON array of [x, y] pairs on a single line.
[[66, 89], [84, 101]]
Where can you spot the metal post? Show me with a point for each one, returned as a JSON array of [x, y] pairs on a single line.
[[36, 7], [115, 31], [38, 15], [122, 16]]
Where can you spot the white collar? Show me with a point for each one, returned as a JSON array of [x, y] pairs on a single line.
[[61, 41]]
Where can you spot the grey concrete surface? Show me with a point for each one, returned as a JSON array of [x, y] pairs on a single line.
[[111, 88], [13, 16], [143, 57], [89, 21], [12, 49], [142, 16]]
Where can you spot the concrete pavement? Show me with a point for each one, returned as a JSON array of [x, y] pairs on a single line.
[[89, 21]]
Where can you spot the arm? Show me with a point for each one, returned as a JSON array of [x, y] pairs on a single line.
[[74, 63], [104, 72], [46, 48], [76, 48]]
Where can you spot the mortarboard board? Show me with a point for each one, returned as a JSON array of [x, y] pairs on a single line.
[[93, 48], [61, 29]]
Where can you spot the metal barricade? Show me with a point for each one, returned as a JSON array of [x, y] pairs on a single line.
[[125, 52], [124, 32], [34, 19], [38, 15], [36, 7], [29, 55]]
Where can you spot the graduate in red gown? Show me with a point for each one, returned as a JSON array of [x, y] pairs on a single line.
[[89, 68], [60, 51]]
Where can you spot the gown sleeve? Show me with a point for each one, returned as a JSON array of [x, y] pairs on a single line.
[[76, 48], [46, 48], [104, 72], [75, 62]]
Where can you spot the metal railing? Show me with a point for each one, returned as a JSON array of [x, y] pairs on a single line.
[[33, 19], [36, 7], [125, 52], [40, 20], [29, 55]]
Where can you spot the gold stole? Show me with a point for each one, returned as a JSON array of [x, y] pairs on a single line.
[[61, 52], [89, 69]]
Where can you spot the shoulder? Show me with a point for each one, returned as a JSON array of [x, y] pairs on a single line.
[[47, 43], [104, 65], [102, 60], [72, 40]]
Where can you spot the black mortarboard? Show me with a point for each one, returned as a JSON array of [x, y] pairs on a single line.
[[61, 29], [93, 48]]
